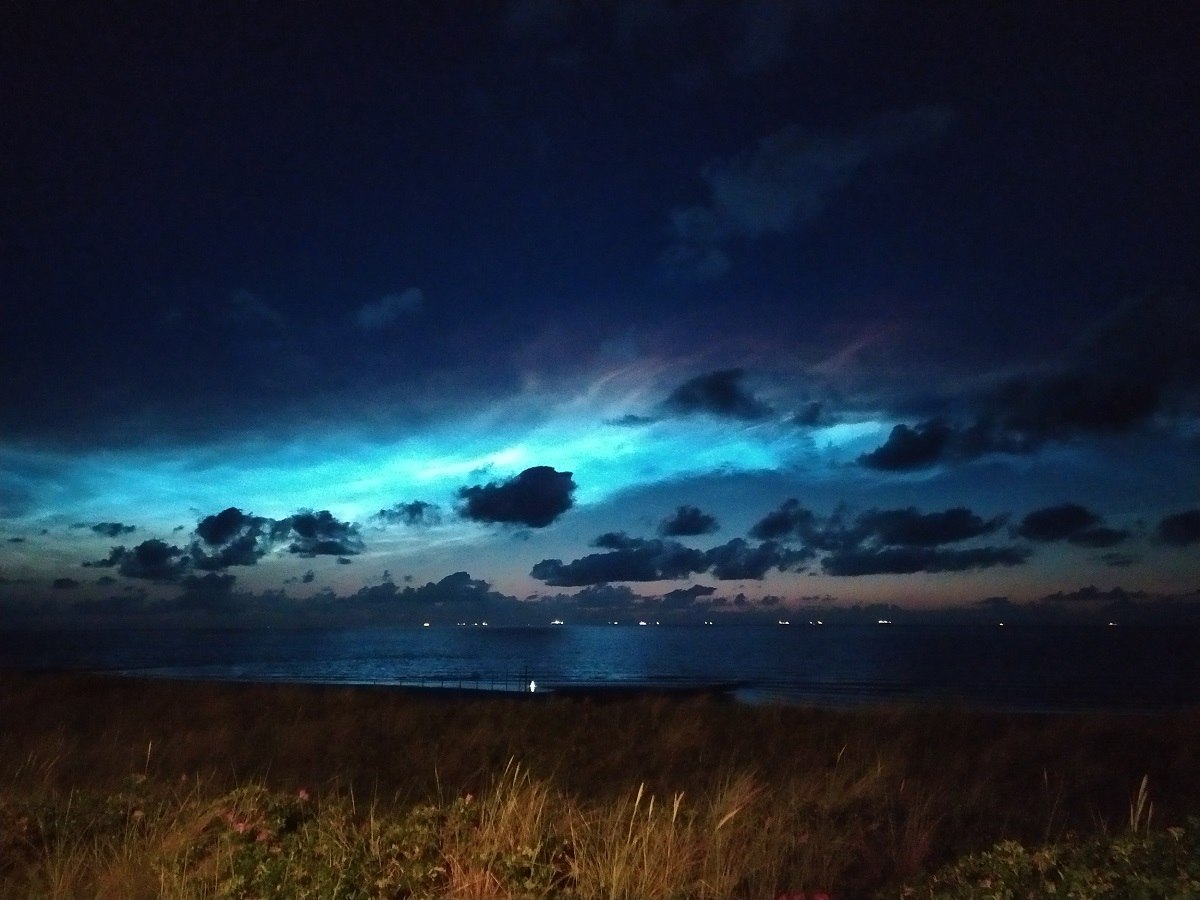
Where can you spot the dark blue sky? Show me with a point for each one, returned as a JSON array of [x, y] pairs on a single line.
[[310, 309]]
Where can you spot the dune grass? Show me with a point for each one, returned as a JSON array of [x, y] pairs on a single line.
[[138, 788]]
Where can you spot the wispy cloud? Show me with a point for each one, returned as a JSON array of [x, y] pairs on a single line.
[[786, 181], [387, 310]]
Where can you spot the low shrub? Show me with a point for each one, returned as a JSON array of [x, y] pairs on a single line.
[[1148, 865]]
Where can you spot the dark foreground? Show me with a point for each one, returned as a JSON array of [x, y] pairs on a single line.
[[856, 802]]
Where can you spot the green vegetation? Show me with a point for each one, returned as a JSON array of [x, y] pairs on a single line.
[[1152, 865], [135, 788]]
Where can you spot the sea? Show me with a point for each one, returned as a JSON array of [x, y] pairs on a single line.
[[1030, 668]]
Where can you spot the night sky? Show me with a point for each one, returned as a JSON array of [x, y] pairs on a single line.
[[434, 311]]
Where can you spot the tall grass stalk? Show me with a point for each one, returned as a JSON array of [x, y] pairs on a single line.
[[631, 849], [506, 835], [1141, 810]]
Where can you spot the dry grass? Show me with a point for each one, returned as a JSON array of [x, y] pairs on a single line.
[[519, 796]]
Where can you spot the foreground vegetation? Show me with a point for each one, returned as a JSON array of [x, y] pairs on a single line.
[[127, 788]]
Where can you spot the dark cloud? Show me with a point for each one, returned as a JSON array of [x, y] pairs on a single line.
[[1124, 373], [1069, 522], [650, 559], [687, 520], [458, 587], [535, 497], [618, 540], [245, 550], [318, 534], [605, 598], [935, 441], [1179, 529], [115, 555], [113, 529], [892, 541], [1123, 604], [791, 520], [377, 593], [418, 512], [1118, 560], [231, 538], [209, 593], [455, 590], [909, 560], [234, 538], [224, 526], [152, 560], [1151, 340], [1063, 405], [886, 527], [718, 393], [1057, 523], [65, 583], [1020, 418], [911, 447], [608, 602], [1092, 594], [628, 559], [738, 559], [687, 598], [810, 415], [907, 526]]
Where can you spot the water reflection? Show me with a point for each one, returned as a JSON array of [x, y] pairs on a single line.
[[1012, 667]]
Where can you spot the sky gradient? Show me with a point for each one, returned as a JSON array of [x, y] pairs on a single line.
[[599, 311]]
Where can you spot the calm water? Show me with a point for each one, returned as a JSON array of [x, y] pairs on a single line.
[[1026, 667]]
